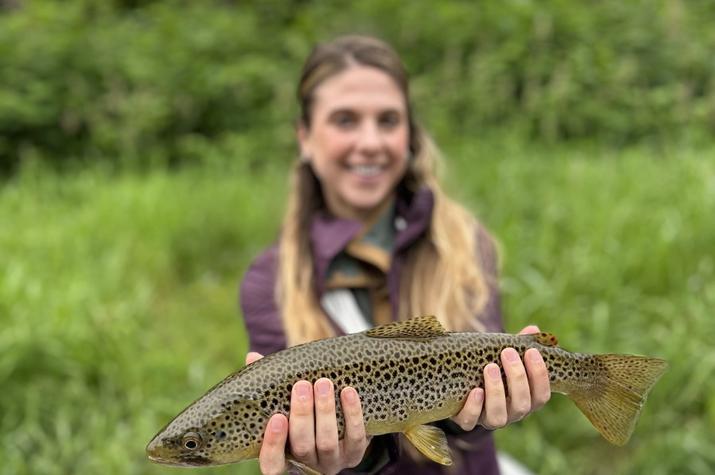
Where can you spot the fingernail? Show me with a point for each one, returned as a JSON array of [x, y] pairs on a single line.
[[535, 356], [478, 396], [493, 371], [510, 355], [322, 387], [351, 395], [277, 424], [302, 390]]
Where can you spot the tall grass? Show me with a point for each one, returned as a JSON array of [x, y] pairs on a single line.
[[118, 298]]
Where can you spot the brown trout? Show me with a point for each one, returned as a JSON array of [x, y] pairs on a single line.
[[407, 374]]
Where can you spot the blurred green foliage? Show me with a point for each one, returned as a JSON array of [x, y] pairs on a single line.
[[118, 289], [137, 83], [118, 297]]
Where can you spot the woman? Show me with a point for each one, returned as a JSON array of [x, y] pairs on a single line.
[[369, 237]]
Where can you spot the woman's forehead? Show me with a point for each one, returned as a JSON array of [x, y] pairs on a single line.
[[359, 87]]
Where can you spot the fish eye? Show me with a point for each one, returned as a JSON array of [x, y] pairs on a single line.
[[191, 441]]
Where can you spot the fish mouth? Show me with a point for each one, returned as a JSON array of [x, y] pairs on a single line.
[[181, 461], [158, 453]]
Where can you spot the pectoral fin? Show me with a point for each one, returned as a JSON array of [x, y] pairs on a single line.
[[431, 442]]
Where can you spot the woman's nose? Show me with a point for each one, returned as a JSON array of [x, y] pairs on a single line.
[[369, 140]]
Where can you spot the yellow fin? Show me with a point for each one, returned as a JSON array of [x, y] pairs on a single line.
[[431, 442], [612, 399], [419, 327]]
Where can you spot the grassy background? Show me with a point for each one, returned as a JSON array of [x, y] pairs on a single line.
[[118, 296]]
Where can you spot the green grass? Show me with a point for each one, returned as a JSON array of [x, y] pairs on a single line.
[[118, 298]]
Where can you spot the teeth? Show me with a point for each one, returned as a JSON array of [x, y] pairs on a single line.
[[367, 170]]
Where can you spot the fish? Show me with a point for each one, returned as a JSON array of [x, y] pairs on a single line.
[[407, 374]]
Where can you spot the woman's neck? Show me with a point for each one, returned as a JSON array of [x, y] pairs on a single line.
[[366, 216]]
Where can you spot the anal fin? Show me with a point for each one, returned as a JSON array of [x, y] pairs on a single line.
[[431, 442]]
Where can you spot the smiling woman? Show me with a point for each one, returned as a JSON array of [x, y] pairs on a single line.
[[357, 141], [369, 238]]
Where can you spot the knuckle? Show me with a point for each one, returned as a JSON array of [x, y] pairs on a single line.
[[326, 447], [352, 412], [468, 420], [354, 423], [467, 424], [521, 409], [301, 450], [355, 432], [539, 371], [353, 459], [300, 408], [267, 468], [542, 399], [325, 405], [518, 376], [497, 420]]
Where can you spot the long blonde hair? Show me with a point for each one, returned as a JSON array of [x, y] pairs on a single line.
[[442, 275]]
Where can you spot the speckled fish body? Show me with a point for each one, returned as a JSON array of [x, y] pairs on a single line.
[[407, 374]]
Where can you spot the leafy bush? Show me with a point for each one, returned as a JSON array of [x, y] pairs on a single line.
[[139, 83]]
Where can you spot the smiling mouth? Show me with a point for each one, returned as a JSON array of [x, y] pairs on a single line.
[[367, 170]]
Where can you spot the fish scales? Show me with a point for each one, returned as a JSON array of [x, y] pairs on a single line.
[[394, 378], [407, 374]]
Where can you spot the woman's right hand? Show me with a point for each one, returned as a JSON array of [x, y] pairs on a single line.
[[312, 429]]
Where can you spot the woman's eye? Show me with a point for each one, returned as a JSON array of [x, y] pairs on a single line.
[[389, 120], [344, 120]]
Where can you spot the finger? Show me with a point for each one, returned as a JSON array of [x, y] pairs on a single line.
[[468, 417], [519, 401], [252, 356], [301, 423], [529, 330], [355, 440], [272, 455], [538, 378], [494, 414], [326, 425]]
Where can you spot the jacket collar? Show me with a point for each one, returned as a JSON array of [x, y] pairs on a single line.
[[329, 235]]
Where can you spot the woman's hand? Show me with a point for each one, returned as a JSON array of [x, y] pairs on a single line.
[[312, 429], [529, 390]]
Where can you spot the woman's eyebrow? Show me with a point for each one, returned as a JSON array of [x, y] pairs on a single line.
[[349, 110], [343, 110]]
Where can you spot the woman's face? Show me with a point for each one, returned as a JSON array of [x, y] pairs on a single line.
[[358, 139]]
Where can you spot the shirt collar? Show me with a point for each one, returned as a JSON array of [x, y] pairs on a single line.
[[329, 234]]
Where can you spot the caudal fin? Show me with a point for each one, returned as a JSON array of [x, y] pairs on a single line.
[[613, 400]]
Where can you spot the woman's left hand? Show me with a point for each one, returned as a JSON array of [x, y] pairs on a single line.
[[528, 384]]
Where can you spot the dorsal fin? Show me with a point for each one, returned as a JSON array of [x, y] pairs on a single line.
[[419, 327]]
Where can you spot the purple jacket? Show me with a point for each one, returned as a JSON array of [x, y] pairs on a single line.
[[473, 451]]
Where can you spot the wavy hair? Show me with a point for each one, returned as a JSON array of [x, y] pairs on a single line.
[[443, 274]]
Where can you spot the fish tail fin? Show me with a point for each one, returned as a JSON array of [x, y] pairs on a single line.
[[612, 400]]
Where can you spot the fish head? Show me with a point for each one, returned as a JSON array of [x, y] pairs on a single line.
[[217, 429]]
